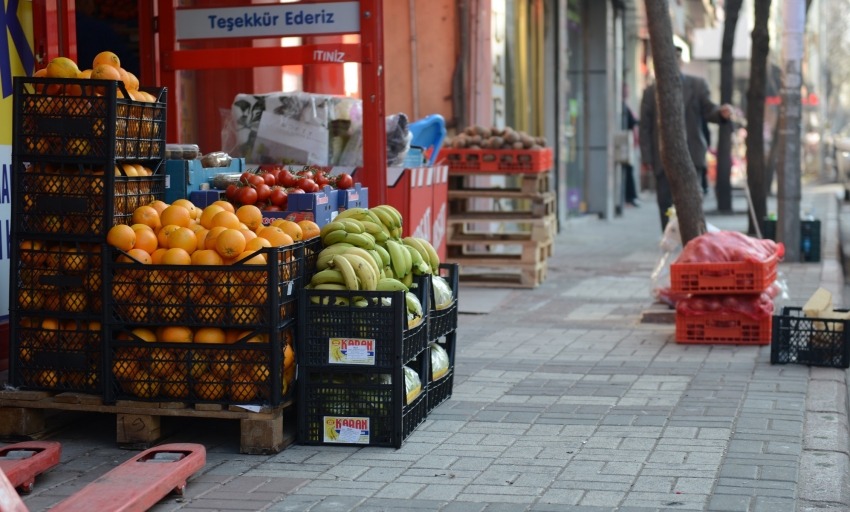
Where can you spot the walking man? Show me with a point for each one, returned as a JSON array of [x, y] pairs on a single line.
[[698, 108]]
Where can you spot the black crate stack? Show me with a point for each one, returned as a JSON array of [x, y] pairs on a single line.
[[442, 329], [71, 140], [351, 359]]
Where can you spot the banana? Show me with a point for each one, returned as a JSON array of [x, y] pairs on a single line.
[[327, 276], [391, 285], [337, 287], [432, 254], [361, 303], [385, 256], [338, 301], [397, 259], [361, 240], [344, 266], [335, 249], [376, 256], [376, 230], [364, 271], [331, 226], [388, 272], [393, 213], [408, 280], [334, 237], [367, 256], [413, 305], [352, 213], [330, 432], [324, 261], [408, 259], [416, 244], [416, 260], [386, 218], [395, 234], [352, 225]]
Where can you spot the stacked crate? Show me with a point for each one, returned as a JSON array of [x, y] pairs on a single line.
[[442, 329], [351, 388], [712, 279], [501, 230], [71, 140]]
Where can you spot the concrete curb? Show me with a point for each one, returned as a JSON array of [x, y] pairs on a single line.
[[824, 473]]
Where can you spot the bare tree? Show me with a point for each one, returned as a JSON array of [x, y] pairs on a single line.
[[675, 157], [727, 78], [755, 114]]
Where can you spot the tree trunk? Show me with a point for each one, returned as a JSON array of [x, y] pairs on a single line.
[[727, 79], [675, 157], [755, 115]]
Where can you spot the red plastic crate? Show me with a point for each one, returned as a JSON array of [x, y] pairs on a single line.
[[727, 278], [722, 329], [523, 161]]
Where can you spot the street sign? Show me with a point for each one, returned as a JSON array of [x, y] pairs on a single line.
[[269, 20]]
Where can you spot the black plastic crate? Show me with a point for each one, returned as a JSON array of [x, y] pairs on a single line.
[[443, 321], [61, 352], [312, 248], [72, 120], [231, 296], [51, 278], [242, 372], [440, 390], [811, 341], [79, 200], [809, 237], [369, 400], [327, 330]]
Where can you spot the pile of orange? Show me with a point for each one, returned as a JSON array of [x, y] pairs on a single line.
[[105, 66], [59, 277], [53, 335], [205, 374]]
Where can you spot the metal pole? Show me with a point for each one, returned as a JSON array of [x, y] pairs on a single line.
[[788, 166]]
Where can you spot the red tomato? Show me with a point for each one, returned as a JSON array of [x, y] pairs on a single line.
[[231, 192], [244, 178], [271, 208], [305, 174], [344, 182], [321, 180], [306, 184], [278, 197], [256, 181], [269, 179], [263, 192], [316, 188], [287, 179], [295, 190], [247, 195]]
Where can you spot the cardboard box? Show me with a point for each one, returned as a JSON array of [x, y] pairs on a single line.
[[183, 177]]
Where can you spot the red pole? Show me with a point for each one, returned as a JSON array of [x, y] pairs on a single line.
[[168, 76], [374, 116]]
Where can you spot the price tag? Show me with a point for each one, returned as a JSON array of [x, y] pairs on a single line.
[[289, 289], [167, 181], [349, 435], [357, 353]]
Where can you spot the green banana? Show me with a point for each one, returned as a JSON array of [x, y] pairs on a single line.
[[417, 245], [334, 237], [376, 230], [370, 216], [344, 266], [376, 256], [395, 234], [368, 278], [386, 218], [385, 256], [331, 286], [338, 301], [408, 259], [327, 276], [335, 249], [391, 285], [331, 226], [395, 217], [352, 225], [388, 272], [397, 258], [432, 254], [408, 280], [367, 256], [361, 303], [361, 240], [417, 262], [413, 305], [351, 213]]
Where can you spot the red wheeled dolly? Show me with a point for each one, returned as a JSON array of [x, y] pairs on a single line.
[[22, 462], [141, 482]]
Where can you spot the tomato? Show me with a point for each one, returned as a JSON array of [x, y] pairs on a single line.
[[276, 174], [316, 188], [269, 179], [256, 181], [231, 192], [306, 184], [344, 182], [287, 179], [278, 197], [295, 190], [263, 192], [247, 195], [306, 174], [322, 180], [245, 177], [272, 208]]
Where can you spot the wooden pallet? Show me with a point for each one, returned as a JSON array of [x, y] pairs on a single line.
[[513, 276], [138, 423], [538, 205], [539, 183], [502, 252], [528, 227]]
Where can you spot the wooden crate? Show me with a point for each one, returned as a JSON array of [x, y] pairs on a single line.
[[474, 253], [504, 276], [496, 227], [524, 183], [538, 205], [138, 424]]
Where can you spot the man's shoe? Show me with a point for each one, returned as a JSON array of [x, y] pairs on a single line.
[[634, 203]]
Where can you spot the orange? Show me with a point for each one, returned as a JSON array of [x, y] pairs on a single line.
[[177, 215], [125, 369], [254, 276], [176, 256], [156, 256], [209, 310], [159, 206], [75, 302], [226, 287], [185, 203], [276, 236], [31, 253], [208, 214], [125, 78], [175, 334], [244, 312], [190, 286], [134, 82], [226, 219], [196, 227], [129, 170], [73, 260], [260, 372], [250, 215], [175, 386], [162, 362], [207, 387], [243, 388], [162, 236], [121, 237], [156, 286], [210, 335], [183, 238], [148, 216], [226, 365], [197, 364], [292, 229], [230, 243], [309, 229], [225, 206], [138, 227], [288, 357], [62, 67], [248, 234], [212, 236], [234, 335], [141, 257], [201, 234], [169, 309], [144, 334], [124, 289], [255, 244], [137, 313], [146, 240], [107, 58], [104, 73], [144, 385], [206, 257]]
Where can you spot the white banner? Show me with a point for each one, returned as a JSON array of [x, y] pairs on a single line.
[[268, 20], [5, 227]]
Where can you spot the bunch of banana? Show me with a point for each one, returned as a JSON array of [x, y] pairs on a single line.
[[330, 432], [337, 355]]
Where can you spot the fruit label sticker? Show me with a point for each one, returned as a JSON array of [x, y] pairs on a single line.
[[351, 351], [346, 430]]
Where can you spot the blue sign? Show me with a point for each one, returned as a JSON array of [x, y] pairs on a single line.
[[10, 24], [270, 20]]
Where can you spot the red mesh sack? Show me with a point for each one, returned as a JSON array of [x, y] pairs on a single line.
[[729, 247], [756, 307]]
